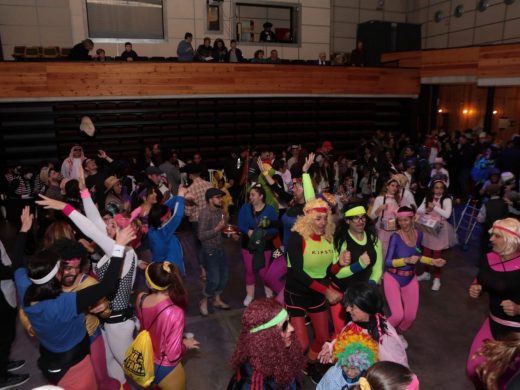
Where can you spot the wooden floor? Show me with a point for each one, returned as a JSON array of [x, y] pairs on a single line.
[[438, 341]]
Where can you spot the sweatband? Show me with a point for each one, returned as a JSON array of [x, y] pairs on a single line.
[[47, 278], [323, 210], [405, 214], [273, 322], [426, 260], [398, 263], [68, 209], [85, 193], [355, 211], [506, 230], [152, 284], [118, 251]]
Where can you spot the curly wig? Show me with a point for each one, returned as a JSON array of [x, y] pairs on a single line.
[[354, 348], [266, 350], [303, 224]]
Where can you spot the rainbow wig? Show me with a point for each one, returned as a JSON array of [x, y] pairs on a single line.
[[354, 348]]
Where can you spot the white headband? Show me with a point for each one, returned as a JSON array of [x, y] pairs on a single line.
[[47, 278]]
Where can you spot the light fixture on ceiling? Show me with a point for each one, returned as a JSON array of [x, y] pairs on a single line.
[[438, 16], [483, 5], [459, 11], [495, 112]]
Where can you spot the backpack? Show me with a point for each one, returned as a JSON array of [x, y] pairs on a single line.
[[138, 363]]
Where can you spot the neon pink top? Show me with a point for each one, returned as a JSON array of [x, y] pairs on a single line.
[[166, 332]]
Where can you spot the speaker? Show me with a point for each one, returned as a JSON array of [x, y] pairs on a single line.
[[383, 37]]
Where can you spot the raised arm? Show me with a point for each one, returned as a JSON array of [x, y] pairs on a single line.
[[91, 211], [308, 188], [177, 213]]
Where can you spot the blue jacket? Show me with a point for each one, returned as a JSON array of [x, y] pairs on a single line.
[[164, 244], [247, 221]]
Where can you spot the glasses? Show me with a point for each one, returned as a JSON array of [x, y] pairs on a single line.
[[285, 326], [358, 218]]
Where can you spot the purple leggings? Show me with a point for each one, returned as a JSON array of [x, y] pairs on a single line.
[[271, 274], [403, 301]]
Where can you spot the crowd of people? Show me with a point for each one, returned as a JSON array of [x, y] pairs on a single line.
[[218, 52], [320, 230]]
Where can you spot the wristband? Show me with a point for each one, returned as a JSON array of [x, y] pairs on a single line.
[[85, 193], [68, 209], [118, 251], [265, 173]]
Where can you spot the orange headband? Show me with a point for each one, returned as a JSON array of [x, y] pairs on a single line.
[[506, 230]]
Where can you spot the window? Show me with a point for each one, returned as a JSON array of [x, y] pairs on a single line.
[[251, 18], [125, 19]]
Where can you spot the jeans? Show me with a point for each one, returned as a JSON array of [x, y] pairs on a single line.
[[217, 271]]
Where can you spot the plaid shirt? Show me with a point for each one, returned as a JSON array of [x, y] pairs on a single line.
[[209, 218], [198, 189]]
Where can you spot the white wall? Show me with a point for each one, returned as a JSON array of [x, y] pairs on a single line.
[[500, 23], [63, 23]]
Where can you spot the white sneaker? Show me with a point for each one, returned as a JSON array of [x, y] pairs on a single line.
[[403, 340], [248, 300], [436, 284], [424, 276]]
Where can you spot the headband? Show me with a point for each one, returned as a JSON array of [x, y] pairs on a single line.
[[405, 214], [166, 268], [273, 322], [506, 230], [323, 210], [73, 262], [414, 384], [47, 278], [355, 211]]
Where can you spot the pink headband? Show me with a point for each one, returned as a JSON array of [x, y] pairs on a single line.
[[506, 230], [323, 210], [73, 262], [414, 384], [405, 214]]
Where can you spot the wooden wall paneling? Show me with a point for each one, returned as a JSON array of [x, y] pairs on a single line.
[[507, 105], [453, 99], [450, 62], [499, 61]]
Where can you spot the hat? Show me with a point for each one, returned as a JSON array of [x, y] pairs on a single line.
[[110, 182], [211, 192], [507, 177], [87, 126], [153, 171], [268, 24], [327, 145], [193, 169], [438, 160]]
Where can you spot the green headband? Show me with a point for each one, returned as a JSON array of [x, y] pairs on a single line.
[[354, 211], [273, 322]]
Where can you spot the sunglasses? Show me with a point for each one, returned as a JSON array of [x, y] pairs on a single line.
[[285, 325]]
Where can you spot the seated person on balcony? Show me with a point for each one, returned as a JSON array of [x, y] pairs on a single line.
[[205, 51], [101, 56], [80, 51], [339, 59], [129, 54], [220, 51], [185, 51], [259, 57], [274, 59], [358, 56], [234, 54], [322, 59], [267, 35]]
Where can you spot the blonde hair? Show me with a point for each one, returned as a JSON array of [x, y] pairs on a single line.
[[512, 242], [303, 224], [499, 356]]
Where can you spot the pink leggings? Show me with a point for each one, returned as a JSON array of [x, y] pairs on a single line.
[[99, 363], [473, 362], [403, 301], [80, 377], [271, 274], [436, 271]]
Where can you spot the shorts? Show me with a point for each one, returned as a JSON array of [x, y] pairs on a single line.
[[298, 305]]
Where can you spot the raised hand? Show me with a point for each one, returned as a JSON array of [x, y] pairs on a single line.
[[308, 162], [125, 236], [27, 219], [81, 179], [51, 204]]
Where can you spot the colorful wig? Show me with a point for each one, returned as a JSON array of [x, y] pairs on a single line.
[[355, 348]]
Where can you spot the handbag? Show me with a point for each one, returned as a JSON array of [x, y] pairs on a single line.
[[138, 363]]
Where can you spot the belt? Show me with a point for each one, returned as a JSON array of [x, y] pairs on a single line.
[[120, 316], [399, 272], [511, 324]]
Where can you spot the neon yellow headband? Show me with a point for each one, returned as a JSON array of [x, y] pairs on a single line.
[[273, 322], [354, 211], [166, 268]]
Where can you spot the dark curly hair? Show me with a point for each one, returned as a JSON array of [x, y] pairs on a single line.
[[265, 350]]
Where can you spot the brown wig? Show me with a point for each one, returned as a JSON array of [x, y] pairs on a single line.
[[56, 231], [388, 376], [161, 277], [265, 350], [384, 190], [500, 356]]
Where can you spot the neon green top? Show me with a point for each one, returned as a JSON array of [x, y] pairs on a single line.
[[377, 269], [308, 188], [317, 256]]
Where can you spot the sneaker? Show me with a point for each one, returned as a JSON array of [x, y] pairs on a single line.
[[424, 276], [248, 300], [436, 284], [403, 340], [14, 365], [14, 380]]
